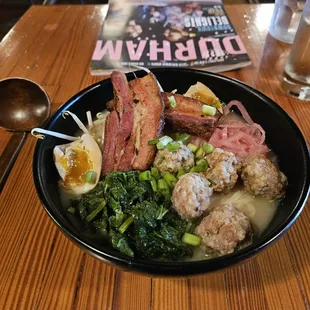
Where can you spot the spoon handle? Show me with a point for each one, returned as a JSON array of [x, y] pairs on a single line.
[[9, 156]]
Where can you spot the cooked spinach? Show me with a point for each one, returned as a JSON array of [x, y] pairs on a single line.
[[136, 220]]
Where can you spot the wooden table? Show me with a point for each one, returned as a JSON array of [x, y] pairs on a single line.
[[41, 269]]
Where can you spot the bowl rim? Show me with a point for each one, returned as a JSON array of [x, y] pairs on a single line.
[[169, 268]]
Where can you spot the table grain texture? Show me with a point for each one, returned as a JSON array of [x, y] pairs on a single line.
[[41, 269]]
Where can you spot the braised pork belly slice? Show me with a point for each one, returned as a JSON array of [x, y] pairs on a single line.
[[186, 116], [111, 132], [119, 127], [123, 105], [148, 119]]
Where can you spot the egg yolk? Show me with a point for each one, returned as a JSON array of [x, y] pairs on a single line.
[[76, 164]]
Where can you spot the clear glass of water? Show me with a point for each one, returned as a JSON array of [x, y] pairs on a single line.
[[285, 19], [296, 79]]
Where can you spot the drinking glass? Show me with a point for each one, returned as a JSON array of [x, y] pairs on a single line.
[[285, 19], [296, 79]]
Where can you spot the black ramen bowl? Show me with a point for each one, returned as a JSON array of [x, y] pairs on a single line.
[[283, 136]]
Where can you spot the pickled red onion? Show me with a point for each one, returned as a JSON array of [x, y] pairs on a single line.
[[241, 137]]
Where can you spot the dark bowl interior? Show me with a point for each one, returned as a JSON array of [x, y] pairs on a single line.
[[283, 136]]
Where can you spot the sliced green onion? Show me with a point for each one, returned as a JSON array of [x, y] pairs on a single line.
[[191, 239], [203, 164], [197, 169], [163, 141], [90, 177], [153, 142], [180, 173], [200, 153], [208, 110], [173, 146], [154, 184], [71, 210], [208, 148], [183, 137], [162, 185], [94, 213], [192, 147], [155, 173], [125, 225], [145, 176], [163, 189], [170, 179], [172, 101], [161, 159]]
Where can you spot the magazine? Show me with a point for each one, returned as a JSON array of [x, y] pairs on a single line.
[[180, 34]]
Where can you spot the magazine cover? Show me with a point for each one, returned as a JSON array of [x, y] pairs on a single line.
[[181, 34]]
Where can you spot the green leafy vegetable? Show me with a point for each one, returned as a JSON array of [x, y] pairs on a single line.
[[134, 213]]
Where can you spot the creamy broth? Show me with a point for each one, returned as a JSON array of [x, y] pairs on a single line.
[[259, 210]]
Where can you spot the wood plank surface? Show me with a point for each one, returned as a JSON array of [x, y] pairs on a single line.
[[41, 269]]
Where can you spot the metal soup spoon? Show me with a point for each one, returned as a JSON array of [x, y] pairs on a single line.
[[23, 105]]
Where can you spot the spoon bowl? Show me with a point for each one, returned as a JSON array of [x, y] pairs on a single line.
[[23, 104]]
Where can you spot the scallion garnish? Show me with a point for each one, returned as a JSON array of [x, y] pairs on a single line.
[[191, 239], [208, 110], [172, 101], [208, 148], [145, 176], [170, 179], [163, 141], [173, 146], [152, 142], [90, 176], [192, 147]]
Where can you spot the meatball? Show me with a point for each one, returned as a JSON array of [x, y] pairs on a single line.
[[166, 161], [262, 177], [223, 170], [223, 229], [191, 196]]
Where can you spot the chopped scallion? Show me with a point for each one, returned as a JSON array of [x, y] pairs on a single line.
[[180, 173], [170, 179], [161, 159], [208, 148], [172, 101], [200, 153], [145, 176], [198, 169], [90, 176], [162, 185], [203, 164], [155, 173], [208, 110], [173, 146], [153, 142], [192, 147], [154, 184], [191, 239], [183, 137], [163, 141]]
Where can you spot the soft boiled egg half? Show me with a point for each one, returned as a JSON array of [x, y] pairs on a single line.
[[78, 164]]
